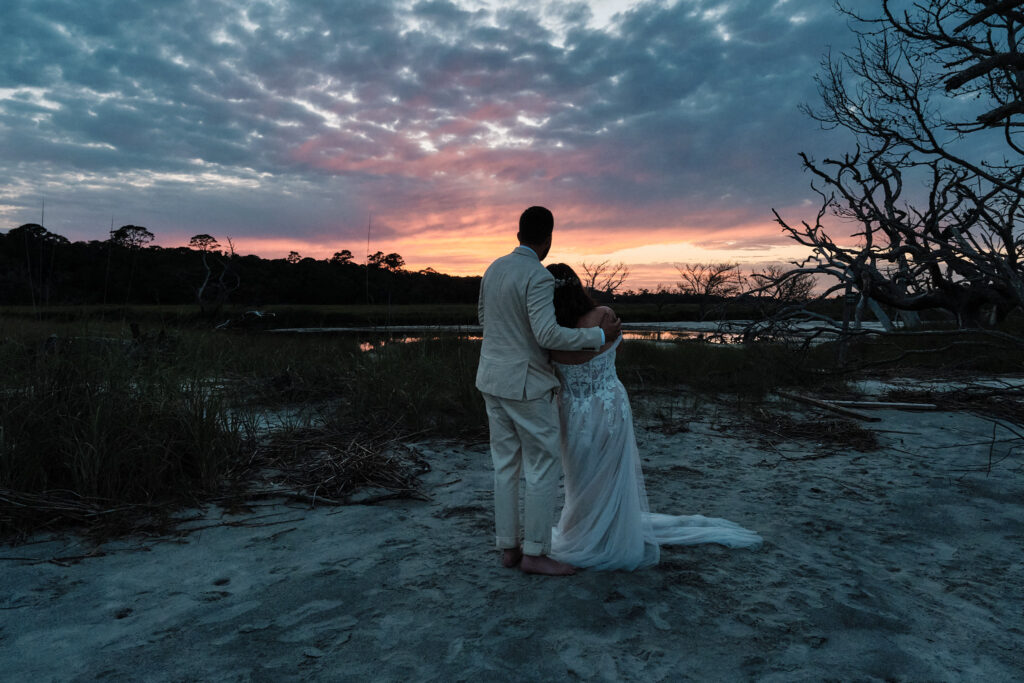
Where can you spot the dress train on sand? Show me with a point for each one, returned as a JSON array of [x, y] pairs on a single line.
[[606, 522]]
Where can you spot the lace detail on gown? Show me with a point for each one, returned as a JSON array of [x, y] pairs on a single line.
[[606, 523], [593, 383]]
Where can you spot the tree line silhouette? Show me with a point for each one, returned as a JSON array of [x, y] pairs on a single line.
[[40, 267]]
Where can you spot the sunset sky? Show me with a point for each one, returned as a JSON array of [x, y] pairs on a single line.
[[657, 132]]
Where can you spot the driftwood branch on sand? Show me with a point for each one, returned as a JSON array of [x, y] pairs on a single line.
[[845, 407], [889, 405], [828, 406]]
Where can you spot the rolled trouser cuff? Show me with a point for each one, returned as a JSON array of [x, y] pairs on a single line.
[[533, 548], [506, 542]]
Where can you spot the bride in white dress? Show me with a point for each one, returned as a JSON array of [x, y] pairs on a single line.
[[606, 523]]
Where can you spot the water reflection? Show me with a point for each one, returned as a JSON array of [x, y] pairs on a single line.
[[729, 332], [410, 339], [655, 336], [671, 336]]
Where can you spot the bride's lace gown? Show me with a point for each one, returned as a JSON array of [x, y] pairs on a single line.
[[606, 523]]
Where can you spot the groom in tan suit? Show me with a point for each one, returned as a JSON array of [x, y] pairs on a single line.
[[517, 313]]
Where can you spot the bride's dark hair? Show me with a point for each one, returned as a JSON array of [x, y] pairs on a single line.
[[571, 300]]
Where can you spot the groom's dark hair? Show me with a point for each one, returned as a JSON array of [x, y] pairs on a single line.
[[535, 225]]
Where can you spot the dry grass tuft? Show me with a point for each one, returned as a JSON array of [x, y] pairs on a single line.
[[999, 402], [330, 466], [316, 466], [825, 432], [23, 514]]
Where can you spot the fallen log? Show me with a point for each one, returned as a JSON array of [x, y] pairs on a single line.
[[886, 404], [829, 406]]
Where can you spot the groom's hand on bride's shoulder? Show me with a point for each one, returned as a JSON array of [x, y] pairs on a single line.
[[611, 325]]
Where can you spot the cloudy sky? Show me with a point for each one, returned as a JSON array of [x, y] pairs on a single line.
[[657, 132]]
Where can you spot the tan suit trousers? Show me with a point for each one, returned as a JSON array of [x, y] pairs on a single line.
[[525, 441]]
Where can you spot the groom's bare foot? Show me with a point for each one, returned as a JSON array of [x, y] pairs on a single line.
[[510, 557], [542, 564]]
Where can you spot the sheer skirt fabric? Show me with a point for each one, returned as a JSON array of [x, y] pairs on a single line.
[[606, 522]]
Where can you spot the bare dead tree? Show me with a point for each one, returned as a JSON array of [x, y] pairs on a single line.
[[779, 296], [769, 290], [604, 277], [591, 271], [923, 93], [710, 283], [213, 293]]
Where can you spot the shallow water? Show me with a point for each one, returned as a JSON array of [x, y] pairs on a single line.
[[656, 337], [728, 332], [404, 334]]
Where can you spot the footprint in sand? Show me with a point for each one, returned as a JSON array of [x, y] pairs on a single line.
[[656, 614], [581, 593], [461, 511], [214, 596], [255, 626], [326, 572], [619, 606]]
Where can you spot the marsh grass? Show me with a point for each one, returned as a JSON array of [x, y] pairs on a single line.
[[714, 369], [87, 423], [272, 370], [421, 387], [97, 425], [94, 422], [373, 315], [189, 316], [98, 316], [950, 353], [103, 428], [96, 419]]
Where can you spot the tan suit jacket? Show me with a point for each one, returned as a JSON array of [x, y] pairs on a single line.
[[517, 311]]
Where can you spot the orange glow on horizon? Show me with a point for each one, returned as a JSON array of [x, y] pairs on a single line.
[[464, 243]]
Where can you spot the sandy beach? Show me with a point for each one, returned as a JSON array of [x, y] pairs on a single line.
[[898, 564]]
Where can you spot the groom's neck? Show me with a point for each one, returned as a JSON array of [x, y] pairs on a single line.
[[541, 250]]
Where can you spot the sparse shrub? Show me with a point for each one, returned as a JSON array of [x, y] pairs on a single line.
[[718, 368], [86, 418], [422, 386], [87, 429]]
